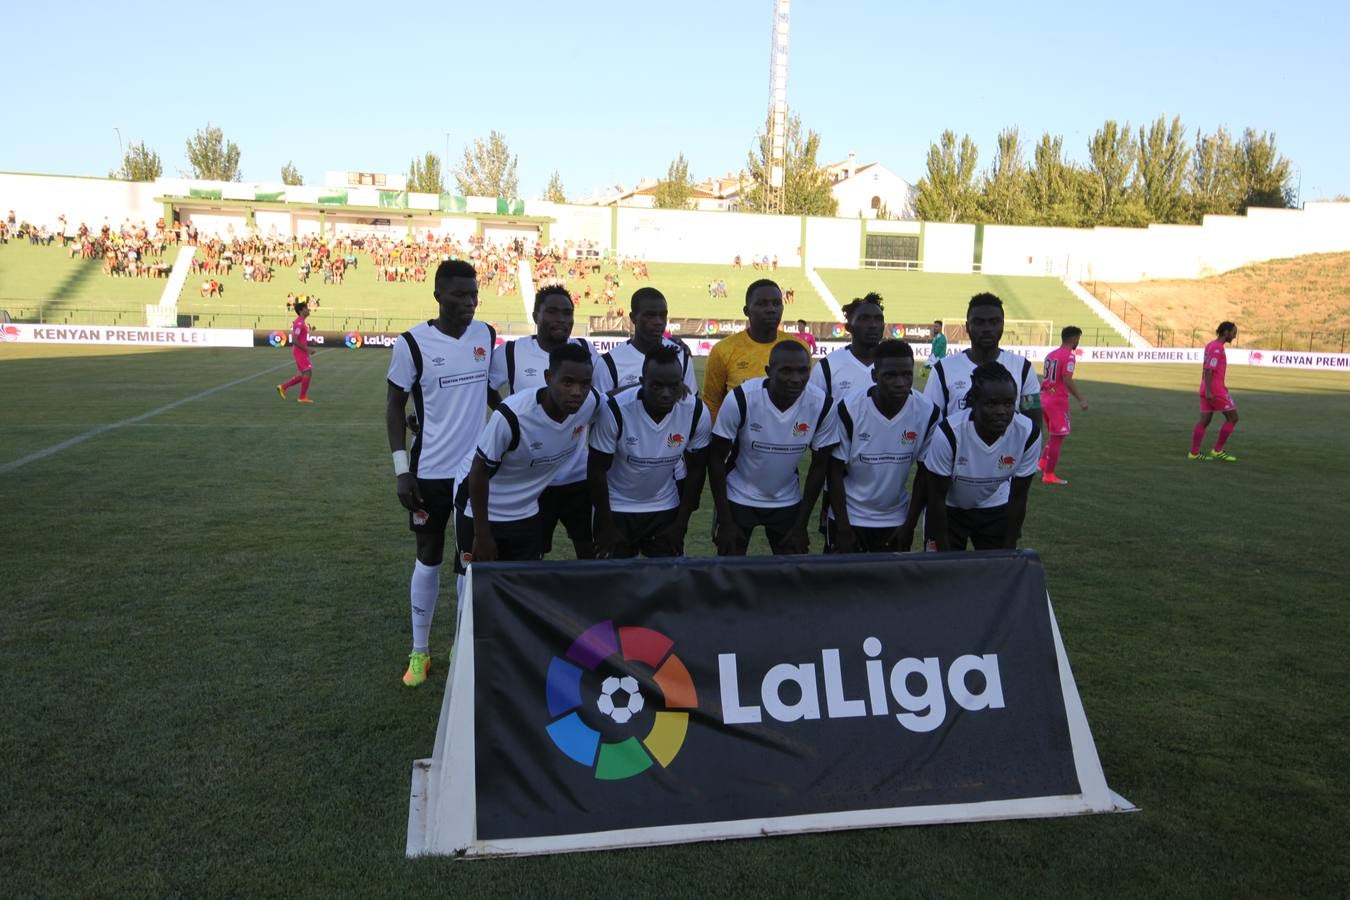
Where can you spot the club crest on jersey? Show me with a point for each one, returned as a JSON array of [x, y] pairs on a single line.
[[674, 440], [479, 354], [800, 428], [1006, 462], [909, 437], [576, 432]]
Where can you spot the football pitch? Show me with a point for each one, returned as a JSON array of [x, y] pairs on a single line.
[[205, 595]]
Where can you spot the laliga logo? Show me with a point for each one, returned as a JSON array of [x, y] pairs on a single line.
[[711, 326], [278, 338], [354, 341], [620, 699], [897, 331], [9, 333], [837, 331]]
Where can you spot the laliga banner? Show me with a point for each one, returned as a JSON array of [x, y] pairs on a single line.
[[623, 703]]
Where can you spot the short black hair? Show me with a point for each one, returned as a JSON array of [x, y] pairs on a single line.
[[757, 284], [984, 298], [452, 268], [568, 352], [984, 375], [547, 291], [784, 346], [666, 353], [644, 293], [857, 303], [893, 349], [1070, 331], [1224, 326]]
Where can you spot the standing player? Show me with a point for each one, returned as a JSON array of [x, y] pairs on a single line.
[[939, 348], [851, 367], [528, 438], [641, 435], [520, 366], [882, 432], [443, 366], [951, 375], [980, 465], [300, 351], [621, 367], [1214, 397], [1056, 386], [804, 333], [745, 355], [757, 443]]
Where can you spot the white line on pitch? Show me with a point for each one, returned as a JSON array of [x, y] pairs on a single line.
[[54, 449]]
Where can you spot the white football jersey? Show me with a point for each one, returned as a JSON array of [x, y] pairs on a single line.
[[450, 397], [878, 453], [642, 476], [767, 443], [519, 365], [621, 368], [949, 380], [841, 374], [981, 473], [524, 447]]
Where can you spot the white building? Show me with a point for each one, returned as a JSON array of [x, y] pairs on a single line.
[[865, 191]]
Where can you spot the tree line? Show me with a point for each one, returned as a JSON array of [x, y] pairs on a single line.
[[1130, 177]]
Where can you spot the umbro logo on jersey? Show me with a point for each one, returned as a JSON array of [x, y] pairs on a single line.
[[438, 360], [864, 436], [960, 384], [1006, 462], [531, 372], [631, 440], [755, 426], [675, 440], [479, 354], [535, 445], [845, 385], [743, 364], [909, 437], [962, 461]]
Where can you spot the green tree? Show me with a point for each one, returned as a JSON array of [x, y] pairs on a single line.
[[554, 192], [1004, 196], [675, 190], [947, 191], [1111, 164], [1264, 177], [290, 175], [488, 169], [1163, 160], [424, 175], [139, 163], [806, 186], [1212, 181], [210, 157], [1054, 185]]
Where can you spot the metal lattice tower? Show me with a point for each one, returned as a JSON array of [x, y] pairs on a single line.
[[778, 108]]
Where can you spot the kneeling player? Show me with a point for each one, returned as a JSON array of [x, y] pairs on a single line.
[[882, 433], [764, 427], [639, 438], [528, 437], [980, 465]]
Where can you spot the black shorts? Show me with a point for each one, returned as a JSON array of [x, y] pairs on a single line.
[[518, 540], [644, 534], [868, 540], [571, 505], [985, 528], [777, 522], [438, 502]]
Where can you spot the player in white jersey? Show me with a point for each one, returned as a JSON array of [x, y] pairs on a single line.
[[639, 438], [883, 431], [951, 376], [528, 438], [980, 465], [519, 366], [621, 367], [850, 368], [764, 427], [443, 366]]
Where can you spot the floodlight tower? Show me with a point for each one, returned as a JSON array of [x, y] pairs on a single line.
[[778, 109]]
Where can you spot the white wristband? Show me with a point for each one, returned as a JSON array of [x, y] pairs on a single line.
[[401, 462]]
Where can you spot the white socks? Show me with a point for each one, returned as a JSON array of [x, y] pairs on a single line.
[[426, 587]]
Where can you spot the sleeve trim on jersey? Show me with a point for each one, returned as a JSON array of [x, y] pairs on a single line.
[[1034, 436], [845, 420], [942, 383], [613, 370], [950, 435], [512, 422], [618, 420]]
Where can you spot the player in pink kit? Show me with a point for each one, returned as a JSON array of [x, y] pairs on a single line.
[[1214, 397], [300, 350], [1056, 385]]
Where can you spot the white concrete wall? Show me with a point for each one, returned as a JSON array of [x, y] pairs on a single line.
[[576, 223], [40, 199], [890, 226], [276, 223], [672, 235], [833, 243], [948, 248]]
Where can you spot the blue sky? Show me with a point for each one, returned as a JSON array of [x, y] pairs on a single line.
[[608, 92]]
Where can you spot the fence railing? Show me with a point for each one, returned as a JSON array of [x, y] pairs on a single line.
[[1326, 340], [909, 265]]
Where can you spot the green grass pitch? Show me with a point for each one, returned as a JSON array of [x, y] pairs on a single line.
[[206, 618]]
